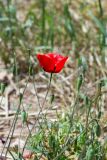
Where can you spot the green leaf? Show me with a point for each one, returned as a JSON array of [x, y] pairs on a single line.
[[52, 98], [98, 23], [90, 153], [103, 82], [83, 63], [52, 141], [99, 114], [86, 100], [79, 82], [31, 69], [4, 19], [12, 10], [36, 150], [20, 97], [24, 116], [98, 130], [28, 23], [14, 70], [2, 87], [68, 22]]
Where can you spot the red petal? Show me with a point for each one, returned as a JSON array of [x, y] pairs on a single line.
[[46, 62], [60, 64]]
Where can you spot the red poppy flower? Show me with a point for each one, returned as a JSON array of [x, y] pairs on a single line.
[[52, 62]]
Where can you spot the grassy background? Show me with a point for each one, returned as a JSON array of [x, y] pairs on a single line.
[[76, 29]]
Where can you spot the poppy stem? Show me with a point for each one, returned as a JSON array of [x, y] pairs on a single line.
[[100, 7], [47, 90]]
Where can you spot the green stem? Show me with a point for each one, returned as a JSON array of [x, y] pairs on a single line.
[[43, 21], [100, 8], [47, 90], [14, 124], [12, 155]]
